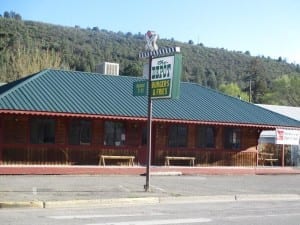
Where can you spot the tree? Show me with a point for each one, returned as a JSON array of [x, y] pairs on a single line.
[[234, 90], [6, 14], [257, 80], [133, 70], [25, 61], [128, 34], [293, 91], [17, 17], [285, 91], [12, 15], [199, 74], [298, 68], [247, 53], [96, 29], [211, 80]]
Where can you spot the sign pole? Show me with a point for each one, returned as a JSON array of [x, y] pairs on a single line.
[[149, 130]]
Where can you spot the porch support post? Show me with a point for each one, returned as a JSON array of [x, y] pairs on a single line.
[[1, 154], [282, 158], [1, 141]]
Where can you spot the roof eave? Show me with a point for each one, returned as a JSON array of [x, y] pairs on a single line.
[[122, 117]]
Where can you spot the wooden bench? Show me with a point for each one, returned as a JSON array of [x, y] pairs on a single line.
[[190, 159], [118, 157], [264, 157]]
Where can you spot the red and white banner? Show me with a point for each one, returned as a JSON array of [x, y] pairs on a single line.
[[287, 137]]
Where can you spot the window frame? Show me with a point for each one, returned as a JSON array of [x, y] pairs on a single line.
[[80, 132], [232, 138], [177, 136], [42, 130], [203, 136], [117, 133]]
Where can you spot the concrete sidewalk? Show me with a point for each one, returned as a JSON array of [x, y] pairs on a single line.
[[46, 191], [138, 170]]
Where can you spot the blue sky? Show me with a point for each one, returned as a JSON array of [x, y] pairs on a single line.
[[263, 27]]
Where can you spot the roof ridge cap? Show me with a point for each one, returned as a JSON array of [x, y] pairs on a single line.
[[30, 78]]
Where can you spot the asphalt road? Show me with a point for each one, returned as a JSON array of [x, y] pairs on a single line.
[[239, 212]]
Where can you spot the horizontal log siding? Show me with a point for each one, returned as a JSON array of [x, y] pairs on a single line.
[[16, 147], [208, 157], [90, 156], [59, 155]]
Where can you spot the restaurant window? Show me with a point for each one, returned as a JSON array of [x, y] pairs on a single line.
[[232, 138], [42, 131], [177, 136], [80, 132], [114, 133], [205, 137]]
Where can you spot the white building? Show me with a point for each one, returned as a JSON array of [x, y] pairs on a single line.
[[269, 136]]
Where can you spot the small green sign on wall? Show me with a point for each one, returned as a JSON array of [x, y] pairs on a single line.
[[140, 88]]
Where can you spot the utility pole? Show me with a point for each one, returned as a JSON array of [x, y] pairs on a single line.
[[250, 90]]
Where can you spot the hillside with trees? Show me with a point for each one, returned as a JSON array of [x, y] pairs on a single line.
[[27, 47]]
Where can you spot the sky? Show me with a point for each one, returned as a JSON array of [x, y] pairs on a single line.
[[269, 28]]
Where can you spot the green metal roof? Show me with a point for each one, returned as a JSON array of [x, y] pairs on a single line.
[[81, 93]]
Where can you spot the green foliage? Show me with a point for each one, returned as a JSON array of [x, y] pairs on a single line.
[[234, 90], [285, 91], [133, 69], [27, 47], [257, 79], [12, 15]]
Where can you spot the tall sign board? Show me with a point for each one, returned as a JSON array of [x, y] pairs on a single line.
[[165, 76], [163, 82]]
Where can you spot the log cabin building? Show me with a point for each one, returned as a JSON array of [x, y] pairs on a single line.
[[68, 117]]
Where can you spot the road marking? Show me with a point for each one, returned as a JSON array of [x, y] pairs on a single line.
[[124, 188], [158, 188], [70, 217], [262, 215], [34, 190], [158, 222]]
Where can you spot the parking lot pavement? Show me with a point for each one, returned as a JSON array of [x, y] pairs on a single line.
[[40, 190]]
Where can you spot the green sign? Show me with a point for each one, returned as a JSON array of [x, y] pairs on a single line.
[[160, 88], [140, 88], [165, 76]]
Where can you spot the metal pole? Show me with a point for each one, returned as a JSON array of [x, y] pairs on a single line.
[[149, 131], [282, 158]]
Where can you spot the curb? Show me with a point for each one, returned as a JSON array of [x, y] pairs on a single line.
[[231, 198], [101, 202], [22, 204], [165, 173], [140, 170], [149, 200]]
